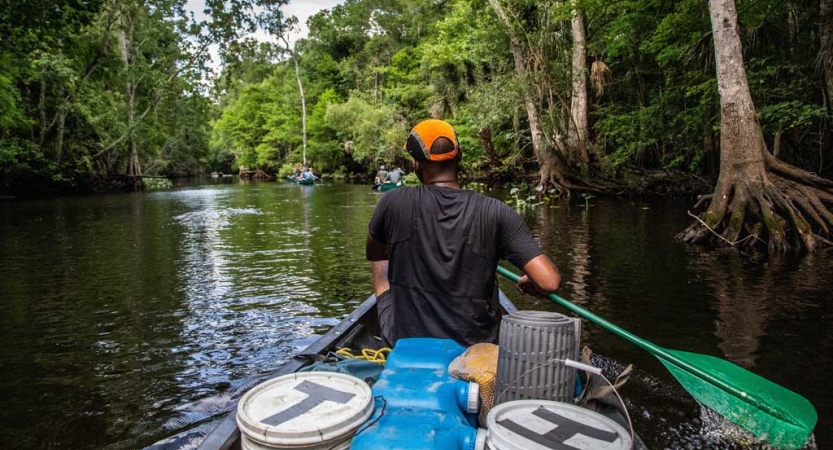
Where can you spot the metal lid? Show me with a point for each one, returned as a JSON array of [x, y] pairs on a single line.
[[537, 318], [542, 424], [304, 408]]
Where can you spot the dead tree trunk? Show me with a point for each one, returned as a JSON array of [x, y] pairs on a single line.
[[577, 133], [758, 198]]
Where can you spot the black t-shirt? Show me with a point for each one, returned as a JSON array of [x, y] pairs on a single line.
[[444, 245]]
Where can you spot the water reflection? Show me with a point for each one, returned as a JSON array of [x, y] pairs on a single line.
[[741, 319]]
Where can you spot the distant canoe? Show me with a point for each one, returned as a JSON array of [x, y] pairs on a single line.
[[303, 181], [388, 186]]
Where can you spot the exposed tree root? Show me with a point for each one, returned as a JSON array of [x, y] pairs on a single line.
[[782, 213], [565, 185], [558, 178]]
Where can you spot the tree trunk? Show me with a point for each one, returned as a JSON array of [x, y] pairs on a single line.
[[552, 170], [792, 26], [303, 106], [577, 134], [777, 142], [485, 136], [59, 133], [826, 36], [294, 57], [134, 169], [42, 110], [756, 194]]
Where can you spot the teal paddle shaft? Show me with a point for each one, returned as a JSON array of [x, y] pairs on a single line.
[[787, 413]]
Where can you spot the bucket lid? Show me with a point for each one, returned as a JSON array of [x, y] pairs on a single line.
[[543, 424], [538, 318], [304, 408]]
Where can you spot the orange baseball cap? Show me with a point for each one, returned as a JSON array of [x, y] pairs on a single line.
[[423, 136]]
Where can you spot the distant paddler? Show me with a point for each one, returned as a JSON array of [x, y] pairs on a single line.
[[381, 175], [395, 175], [308, 175]]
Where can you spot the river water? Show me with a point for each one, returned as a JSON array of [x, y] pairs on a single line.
[[125, 319]]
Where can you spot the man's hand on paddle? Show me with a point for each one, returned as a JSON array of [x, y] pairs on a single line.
[[541, 277]]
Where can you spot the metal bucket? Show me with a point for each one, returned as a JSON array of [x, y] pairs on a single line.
[[528, 340]]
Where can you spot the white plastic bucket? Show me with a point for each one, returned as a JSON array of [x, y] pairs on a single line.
[[544, 424], [307, 410]]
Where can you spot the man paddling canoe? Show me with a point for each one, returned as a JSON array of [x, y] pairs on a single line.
[[434, 249]]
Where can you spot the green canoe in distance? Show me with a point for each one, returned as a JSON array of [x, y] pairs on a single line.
[[305, 181], [391, 186]]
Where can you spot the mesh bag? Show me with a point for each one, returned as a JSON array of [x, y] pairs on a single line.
[[479, 364]]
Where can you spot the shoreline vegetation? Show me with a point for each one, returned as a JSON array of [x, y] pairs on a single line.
[[727, 107]]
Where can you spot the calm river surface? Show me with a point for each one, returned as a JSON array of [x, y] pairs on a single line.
[[125, 319]]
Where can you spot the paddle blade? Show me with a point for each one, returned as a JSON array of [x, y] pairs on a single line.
[[768, 410]]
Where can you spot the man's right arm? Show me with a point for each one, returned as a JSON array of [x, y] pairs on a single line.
[[540, 278], [377, 254], [517, 245]]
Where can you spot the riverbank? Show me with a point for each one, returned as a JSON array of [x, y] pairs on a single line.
[[635, 183]]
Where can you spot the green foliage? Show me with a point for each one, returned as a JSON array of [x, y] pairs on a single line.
[[791, 115], [664, 106], [285, 170], [372, 129], [158, 183], [587, 198], [371, 70], [83, 83], [411, 179], [528, 196], [11, 115]]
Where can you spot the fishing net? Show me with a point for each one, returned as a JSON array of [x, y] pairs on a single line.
[[479, 364]]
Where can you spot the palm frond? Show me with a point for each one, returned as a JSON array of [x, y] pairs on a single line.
[[600, 77], [702, 53], [763, 37]]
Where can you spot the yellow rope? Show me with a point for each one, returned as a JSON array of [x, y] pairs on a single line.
[[377, 356]]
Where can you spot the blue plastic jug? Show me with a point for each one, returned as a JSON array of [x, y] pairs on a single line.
[[423, 406]]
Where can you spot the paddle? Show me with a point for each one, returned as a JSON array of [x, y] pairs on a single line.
[[756, 404]]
